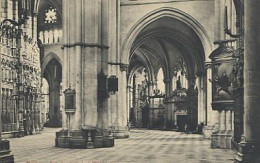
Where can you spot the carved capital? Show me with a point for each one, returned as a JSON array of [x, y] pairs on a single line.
[[208, 65], [35, 14], [123, 67]]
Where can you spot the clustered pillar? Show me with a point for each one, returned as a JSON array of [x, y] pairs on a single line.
[[249, 147], [85, 60], [117, 103]]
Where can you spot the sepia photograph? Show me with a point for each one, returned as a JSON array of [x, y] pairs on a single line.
[[129, 81]]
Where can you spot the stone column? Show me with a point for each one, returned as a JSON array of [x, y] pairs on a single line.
[[210, 112], [217, 122], [222, 120], [228, 120], [129, 103], [204, 86], [138, 109], [38, 113], [136, 102], [250, 146], [117, 104], [200, 100], [168, 106], [151, 104], [84, 51], [210, 115], [123, 107], [33, 114]]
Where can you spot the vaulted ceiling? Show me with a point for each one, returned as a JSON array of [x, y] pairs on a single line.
[[161, 43]]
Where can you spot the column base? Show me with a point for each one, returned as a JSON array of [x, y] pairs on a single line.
[[13, 134], [248, 152], [5, 155], [120, 132], [207, 131], [92, 138], [221, 139]]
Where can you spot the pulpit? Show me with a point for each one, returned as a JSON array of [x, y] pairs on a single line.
[[223, 66]]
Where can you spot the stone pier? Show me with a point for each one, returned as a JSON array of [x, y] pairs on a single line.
[[85, 53], [249, 147]]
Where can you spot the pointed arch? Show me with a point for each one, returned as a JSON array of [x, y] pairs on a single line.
[[47, 58], [157, 14], [56, 3]]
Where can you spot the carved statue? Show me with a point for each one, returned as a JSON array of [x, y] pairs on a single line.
[[223, 83], [178, 83]]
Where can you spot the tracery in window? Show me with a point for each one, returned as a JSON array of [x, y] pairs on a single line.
[[51, 15]]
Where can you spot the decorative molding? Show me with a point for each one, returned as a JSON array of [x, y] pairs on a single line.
[[114, 63], [223, 105], [85, 45], [123, 67], [208, 65]]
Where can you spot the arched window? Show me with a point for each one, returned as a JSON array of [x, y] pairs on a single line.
[[49, 24], [160, 83], [179, 79]]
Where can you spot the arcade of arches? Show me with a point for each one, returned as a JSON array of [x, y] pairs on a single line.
[[97, 68], [165, 76]]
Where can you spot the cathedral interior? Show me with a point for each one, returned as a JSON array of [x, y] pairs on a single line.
[[105, 74]]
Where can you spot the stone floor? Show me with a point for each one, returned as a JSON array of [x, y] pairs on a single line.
[[150, 146]]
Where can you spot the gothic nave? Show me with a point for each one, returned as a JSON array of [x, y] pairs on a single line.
[[129, 81]]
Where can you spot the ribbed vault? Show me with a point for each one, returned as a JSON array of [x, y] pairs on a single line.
[[161, 43]]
